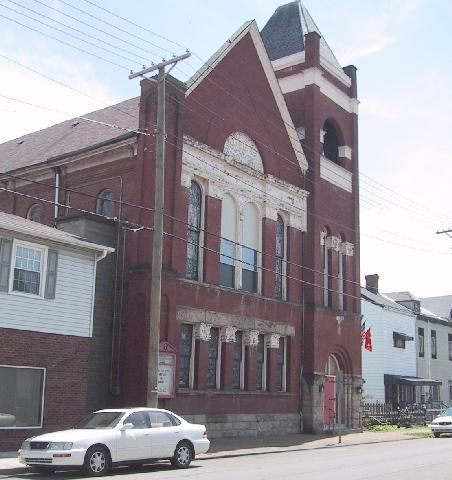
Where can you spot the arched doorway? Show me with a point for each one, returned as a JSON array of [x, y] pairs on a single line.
[[331, 403]]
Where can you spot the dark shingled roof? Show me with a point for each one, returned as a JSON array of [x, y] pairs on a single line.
[[70, 136], [283, 34]]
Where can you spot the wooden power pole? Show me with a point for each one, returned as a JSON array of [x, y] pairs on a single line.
[[157, 243]]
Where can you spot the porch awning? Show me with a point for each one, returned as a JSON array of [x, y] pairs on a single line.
[[393, 379], [402, 336]]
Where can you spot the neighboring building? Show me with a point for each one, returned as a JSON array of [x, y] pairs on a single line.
[[47, 328], [260, 295], [389, 370], [440, 306], [433, 349]]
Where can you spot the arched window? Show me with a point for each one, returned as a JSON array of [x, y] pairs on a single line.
[[331, 142], [280, 258], [34, 213], [228, 239], [104, 203], [326, 267], [194, 231], [250, 248]]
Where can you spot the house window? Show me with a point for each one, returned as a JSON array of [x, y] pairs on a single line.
[[228, 239], [194, 231], [260, 364], [237, 367], [449, 345], [28, 269], [185, 356], [213, 356], [450, 392], [21, 396], [250, 248], [420, 336], [434, 346], [104, 203], [34, 214], [399, 340], [280, 259], [281, 379]]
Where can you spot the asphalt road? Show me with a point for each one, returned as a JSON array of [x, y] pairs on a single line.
[[408, 459]]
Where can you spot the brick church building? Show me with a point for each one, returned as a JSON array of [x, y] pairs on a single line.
[[260, 276]]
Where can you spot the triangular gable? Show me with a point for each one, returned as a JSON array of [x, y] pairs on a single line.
[[215, 59]]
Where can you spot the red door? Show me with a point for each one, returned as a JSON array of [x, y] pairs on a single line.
[[329, 403]]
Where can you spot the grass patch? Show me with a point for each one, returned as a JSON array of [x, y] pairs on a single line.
[[384, 427]]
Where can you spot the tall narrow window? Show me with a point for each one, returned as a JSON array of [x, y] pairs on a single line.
[[420, 337], [281, 379], [250, 248], [213, 355], [238, 361], [104, 204], [340, 276], [34, 213], [185, 355], [433, 343], [449, 345], [260, 363], [325, 268], [330, 142], [228, 239], [194, 231], [280, 259]]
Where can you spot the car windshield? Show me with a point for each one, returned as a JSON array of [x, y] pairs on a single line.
[[447, 413], [100, 420]]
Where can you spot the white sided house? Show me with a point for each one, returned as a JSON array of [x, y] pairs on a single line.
[[47, 298], [388, 368]]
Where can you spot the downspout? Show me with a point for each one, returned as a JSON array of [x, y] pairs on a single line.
[[57, 171], [97, 258]]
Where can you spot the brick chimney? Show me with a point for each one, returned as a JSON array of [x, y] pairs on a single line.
[[372, 283]]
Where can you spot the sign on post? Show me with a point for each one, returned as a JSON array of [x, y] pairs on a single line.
[[167, 370]]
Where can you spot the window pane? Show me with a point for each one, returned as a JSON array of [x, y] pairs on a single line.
[[260, 355], [281, 364], [236, 369], [192, 254], [227, 270], [21, 395], [212, 358], [185, 355], [227, 252], [105, 204], [194, 230], [249, 269], [420, 332], [27, 271], [279, 278]]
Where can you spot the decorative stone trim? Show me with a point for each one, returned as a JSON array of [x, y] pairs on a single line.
[[345, 152], [347, 248], [301, 132], [202, 331], [322, 135], [227, 334], [272, 341], [333, 242], [323, 235], [186, 179], [251, 338]]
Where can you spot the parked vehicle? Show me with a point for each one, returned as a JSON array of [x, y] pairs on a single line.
[[107, 438], [442, 423]]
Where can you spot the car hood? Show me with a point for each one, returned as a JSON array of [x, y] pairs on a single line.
[[72, 435], [442, 419]]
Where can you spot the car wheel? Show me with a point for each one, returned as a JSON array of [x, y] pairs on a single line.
[[97, 461], [183, 455], [436, 434]]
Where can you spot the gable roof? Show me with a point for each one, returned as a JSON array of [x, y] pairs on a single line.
[[15, 224], [251, 29], [441, 305], [70, 136]]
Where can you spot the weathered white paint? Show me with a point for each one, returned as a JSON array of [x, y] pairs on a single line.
[[69, 313], [335, 174]]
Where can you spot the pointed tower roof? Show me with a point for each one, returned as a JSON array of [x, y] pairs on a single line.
[[283, 34]]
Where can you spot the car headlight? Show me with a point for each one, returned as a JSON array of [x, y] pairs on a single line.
[[60, 445]]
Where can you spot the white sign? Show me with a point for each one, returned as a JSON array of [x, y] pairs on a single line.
[[166, 375]]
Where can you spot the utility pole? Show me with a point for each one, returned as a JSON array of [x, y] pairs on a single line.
[[157, 244]]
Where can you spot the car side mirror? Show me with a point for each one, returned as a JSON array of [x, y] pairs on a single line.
[[127, 426]]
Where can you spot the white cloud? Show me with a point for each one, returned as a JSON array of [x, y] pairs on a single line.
[[368, 45]]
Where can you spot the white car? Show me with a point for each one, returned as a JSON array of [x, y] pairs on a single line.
[[117, 436], [443, 423]]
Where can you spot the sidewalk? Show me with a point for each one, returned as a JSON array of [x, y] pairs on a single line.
[[233, 447]]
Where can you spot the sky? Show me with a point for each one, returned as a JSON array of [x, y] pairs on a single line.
[[400, 47]]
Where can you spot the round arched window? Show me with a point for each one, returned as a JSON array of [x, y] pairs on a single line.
[[104, 205], [34, 213]]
